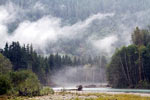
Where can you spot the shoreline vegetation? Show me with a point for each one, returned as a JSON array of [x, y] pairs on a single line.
[[129, 66]]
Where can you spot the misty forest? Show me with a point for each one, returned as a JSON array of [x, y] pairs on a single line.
[[48, 46]]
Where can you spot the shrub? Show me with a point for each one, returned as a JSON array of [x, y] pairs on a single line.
[[12, 92], [25, 82], [30, 87], [143, 85], [46, 91], [5, 84]]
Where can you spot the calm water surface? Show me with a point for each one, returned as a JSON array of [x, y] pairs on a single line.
[[105, 90]]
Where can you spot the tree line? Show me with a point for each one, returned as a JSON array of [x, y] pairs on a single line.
[[26, 58], [129, 66]]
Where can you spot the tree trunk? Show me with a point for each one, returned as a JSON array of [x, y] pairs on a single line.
[[127, 69], [140, 67], [123, 69]]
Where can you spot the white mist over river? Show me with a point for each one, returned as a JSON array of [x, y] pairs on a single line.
[[73, 76]]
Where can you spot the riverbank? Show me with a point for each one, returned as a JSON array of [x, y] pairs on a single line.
[[95, 96], [75, 95]]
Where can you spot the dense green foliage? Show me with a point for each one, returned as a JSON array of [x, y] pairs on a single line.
[[46, 91], [129, 66], [5, 67], [5, 84], [25, 82]]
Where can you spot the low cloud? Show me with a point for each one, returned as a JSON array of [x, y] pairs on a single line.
[[97, 33], [38, 32], [5, 17], [49, 29], [106, 44], [43, 31]]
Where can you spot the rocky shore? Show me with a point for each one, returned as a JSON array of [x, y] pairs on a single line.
[[80, 95]]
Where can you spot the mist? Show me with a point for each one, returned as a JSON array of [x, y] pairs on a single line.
[[47, 30], [97, 32], [80, 28], [77, 75]]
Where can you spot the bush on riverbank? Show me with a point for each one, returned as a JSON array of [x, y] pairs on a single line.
[[143, 85], [25, 82], [5, 67], [5, 84], [46, 91], [22, 83]]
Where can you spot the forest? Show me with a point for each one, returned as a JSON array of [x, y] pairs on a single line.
[[129, 66]]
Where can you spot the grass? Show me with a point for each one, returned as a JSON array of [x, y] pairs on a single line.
[[103, 96], [113, 97], [14, 98], [87, 96]]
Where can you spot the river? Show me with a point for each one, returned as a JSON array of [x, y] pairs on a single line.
[[101, 90]]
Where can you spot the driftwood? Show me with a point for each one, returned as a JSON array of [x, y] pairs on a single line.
[[78, 88]]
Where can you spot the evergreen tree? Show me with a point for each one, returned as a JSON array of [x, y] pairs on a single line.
[[129, 66]]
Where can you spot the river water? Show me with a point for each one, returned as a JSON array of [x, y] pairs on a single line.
[[97, 90]]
